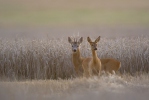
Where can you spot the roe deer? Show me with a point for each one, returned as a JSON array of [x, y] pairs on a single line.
[[76, 56], [92, 65]]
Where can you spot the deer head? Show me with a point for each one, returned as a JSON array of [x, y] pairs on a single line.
[[75, 43], [93, 44]]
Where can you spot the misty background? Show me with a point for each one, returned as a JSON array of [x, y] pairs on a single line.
[[56, 18]]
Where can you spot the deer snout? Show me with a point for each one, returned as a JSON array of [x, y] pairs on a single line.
[[74, 50], [95, 49]]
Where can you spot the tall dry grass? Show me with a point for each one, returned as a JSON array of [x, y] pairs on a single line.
[[51, 58]]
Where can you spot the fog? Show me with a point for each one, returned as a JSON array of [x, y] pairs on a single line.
[[59, 32], [35, 19]]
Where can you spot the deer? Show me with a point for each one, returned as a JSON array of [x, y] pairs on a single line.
[[77, 59], [92, 65], [108, 65]]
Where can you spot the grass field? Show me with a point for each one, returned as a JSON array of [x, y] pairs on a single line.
[[95, 88], [76, 17], [74, 13], [51, 58]]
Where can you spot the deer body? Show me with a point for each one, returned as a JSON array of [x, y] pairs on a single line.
[[92, 66], [77, 62], [95, 63], [110, 65]]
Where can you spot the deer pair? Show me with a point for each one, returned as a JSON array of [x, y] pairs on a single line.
[[93, 65]]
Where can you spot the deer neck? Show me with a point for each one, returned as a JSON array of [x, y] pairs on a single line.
[[77, 55], [95, 57]]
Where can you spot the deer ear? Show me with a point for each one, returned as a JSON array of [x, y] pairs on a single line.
[[98, 39], [81, 40], [89, 40], [69, 40]]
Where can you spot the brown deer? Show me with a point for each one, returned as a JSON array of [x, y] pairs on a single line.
[[92, 66], [76, 56]]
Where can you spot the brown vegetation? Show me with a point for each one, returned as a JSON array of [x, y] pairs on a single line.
[[45, 59]]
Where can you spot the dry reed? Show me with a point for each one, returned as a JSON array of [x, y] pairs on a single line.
[[51, 58]]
